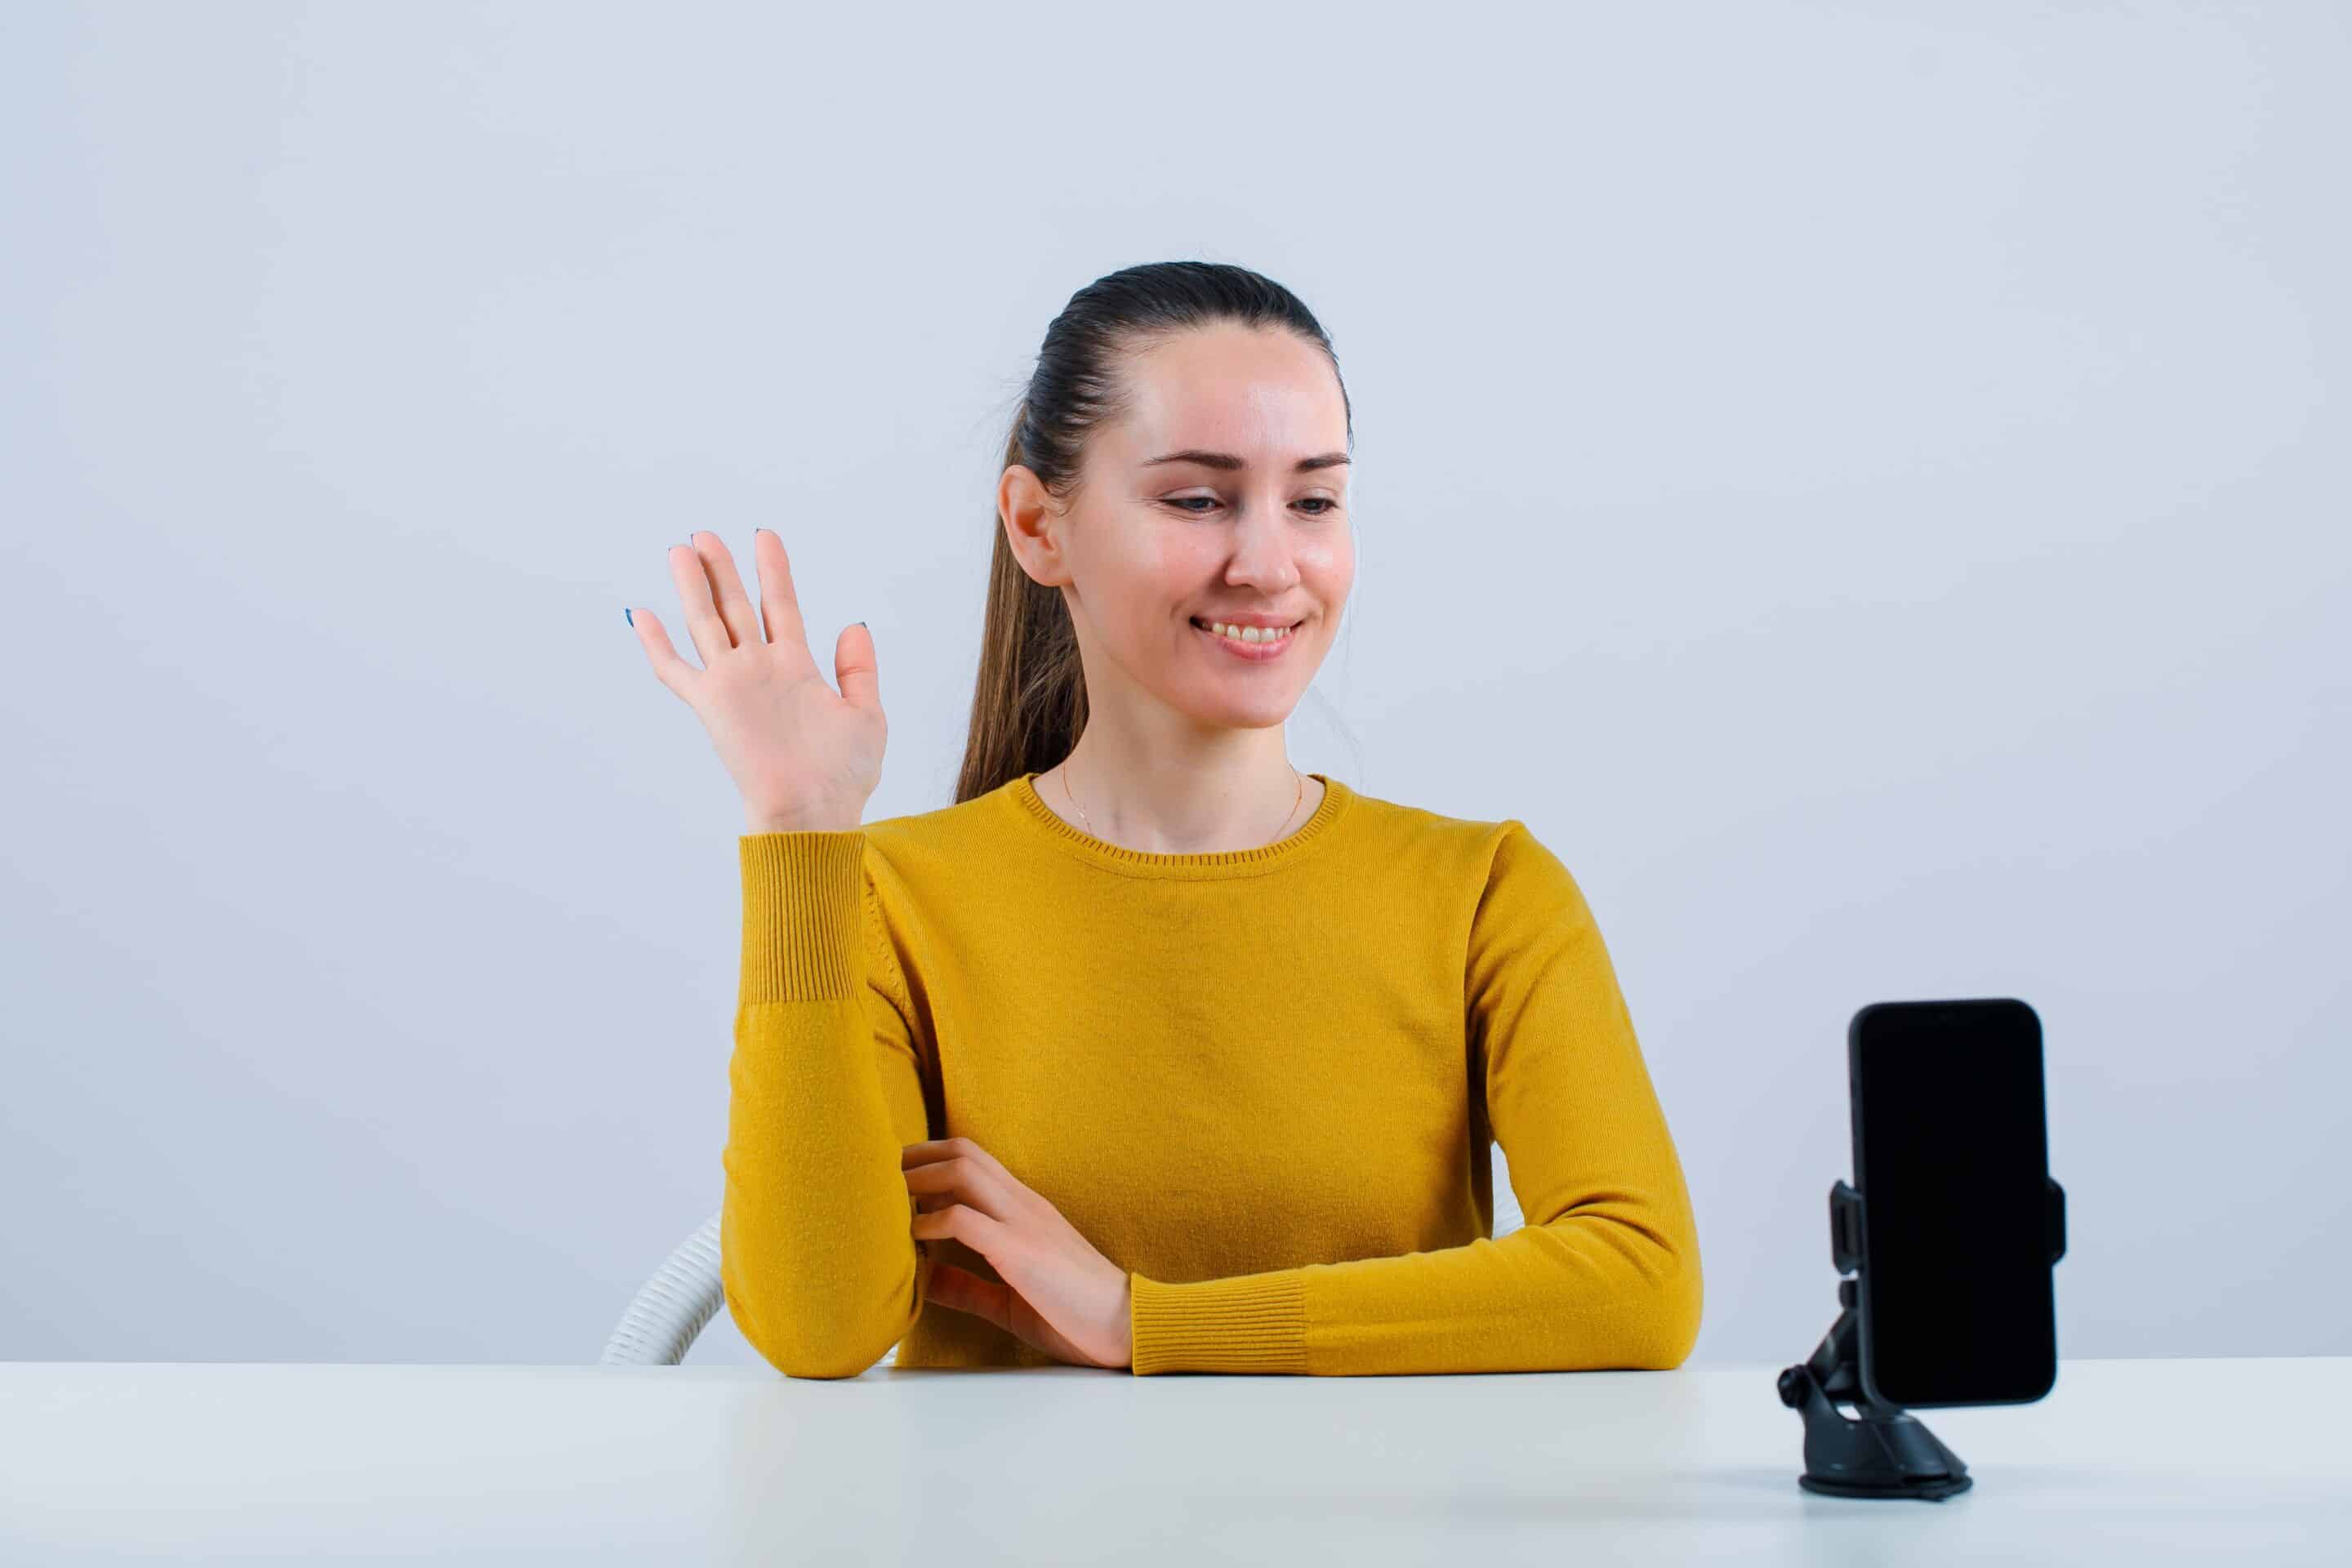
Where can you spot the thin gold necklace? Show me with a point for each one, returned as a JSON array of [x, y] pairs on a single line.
[[1287, 815]]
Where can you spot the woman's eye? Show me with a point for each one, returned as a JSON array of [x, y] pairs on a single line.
[[1321, 504]]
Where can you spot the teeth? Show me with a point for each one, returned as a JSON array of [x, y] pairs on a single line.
[[1249, 634]]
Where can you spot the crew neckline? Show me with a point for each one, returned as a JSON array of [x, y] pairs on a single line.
[[1205, 866]]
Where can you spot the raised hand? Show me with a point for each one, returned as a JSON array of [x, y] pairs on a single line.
[[804, 757]]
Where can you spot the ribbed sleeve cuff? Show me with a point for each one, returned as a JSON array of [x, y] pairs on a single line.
[[1251, 1323], [803, 915]]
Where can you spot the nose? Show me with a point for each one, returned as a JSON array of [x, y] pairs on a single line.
[[1262, 554]]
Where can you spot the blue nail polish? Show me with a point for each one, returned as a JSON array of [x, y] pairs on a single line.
[[629, 615]]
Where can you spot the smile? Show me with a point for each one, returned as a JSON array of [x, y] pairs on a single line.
[[1255, 643]]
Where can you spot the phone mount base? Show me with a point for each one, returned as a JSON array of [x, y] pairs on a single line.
[[1881, 1452]]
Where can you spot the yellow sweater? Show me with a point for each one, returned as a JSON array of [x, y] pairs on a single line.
[[1265, 1082]]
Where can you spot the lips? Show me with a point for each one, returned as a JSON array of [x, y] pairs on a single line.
[[1252, 652]]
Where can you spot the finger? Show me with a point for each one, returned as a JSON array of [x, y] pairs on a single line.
[[961, 1222], [779, 600], [961, 1179], [962, 1291], [853, 671], [923, 1153], [734, 605], [987, 1166], [702, 622], [668, 668]]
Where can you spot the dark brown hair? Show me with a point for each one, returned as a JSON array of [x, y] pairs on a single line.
[[1029, 702]]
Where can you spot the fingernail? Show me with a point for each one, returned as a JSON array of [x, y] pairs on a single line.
[[861, 623], [630, 616]]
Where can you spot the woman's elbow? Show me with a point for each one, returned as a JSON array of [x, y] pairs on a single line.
[[806, 1355], [1677, 1300]]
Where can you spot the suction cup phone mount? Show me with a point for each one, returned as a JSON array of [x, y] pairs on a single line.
[[1883, 1451]]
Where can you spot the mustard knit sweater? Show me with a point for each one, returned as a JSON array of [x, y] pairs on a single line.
[[1263, 1081]]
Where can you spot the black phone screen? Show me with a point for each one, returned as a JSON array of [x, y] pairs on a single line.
[[1951, 1155]]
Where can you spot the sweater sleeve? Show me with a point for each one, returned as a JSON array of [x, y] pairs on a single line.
[[817, 1255], [1605, 1273]]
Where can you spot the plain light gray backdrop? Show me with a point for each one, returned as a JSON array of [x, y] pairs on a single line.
[[1865, 484]]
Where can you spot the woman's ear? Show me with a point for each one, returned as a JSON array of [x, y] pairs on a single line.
[[1032, 523]]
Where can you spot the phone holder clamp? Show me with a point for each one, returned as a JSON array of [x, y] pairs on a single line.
[[1883, 1451]]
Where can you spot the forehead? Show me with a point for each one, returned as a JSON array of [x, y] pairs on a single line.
[[1266, 395]]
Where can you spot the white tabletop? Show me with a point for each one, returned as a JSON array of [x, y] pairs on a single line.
[[2156, 1461]]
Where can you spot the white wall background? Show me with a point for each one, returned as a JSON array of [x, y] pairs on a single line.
[[1891, 460]]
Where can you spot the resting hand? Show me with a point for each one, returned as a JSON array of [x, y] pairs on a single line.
[[1055, 1290]]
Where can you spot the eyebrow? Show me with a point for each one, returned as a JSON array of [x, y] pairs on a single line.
[[1229, 462]]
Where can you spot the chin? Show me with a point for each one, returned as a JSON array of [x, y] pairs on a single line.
[[1263, 714]]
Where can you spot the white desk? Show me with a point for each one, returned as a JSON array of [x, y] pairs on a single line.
[[2136, 1462]]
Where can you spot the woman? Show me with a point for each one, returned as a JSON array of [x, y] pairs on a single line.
[[1177, 1059]]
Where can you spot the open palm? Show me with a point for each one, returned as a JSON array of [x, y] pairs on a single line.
[[802, 756]]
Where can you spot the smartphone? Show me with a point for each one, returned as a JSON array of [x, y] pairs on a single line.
[[1951, 1155]]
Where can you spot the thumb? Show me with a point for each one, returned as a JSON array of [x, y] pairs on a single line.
[[962, 1291], [853, 667]]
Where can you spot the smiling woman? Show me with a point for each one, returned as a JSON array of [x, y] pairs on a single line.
[[1173, 551], [1152, 1052]]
